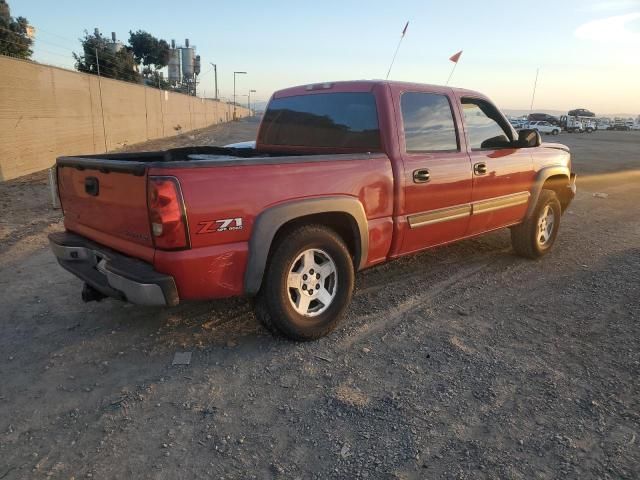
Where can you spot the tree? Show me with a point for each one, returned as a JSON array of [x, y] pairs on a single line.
[[149, 51], [14, 34], [155, 79], [116, 63]]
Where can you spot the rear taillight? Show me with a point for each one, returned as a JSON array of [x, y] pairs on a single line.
[[167, 214]]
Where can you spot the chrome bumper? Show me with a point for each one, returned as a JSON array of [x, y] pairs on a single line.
[[111, 273]]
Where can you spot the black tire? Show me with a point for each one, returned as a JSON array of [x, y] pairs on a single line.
[[555, 132], [524, 237], [274, 306]]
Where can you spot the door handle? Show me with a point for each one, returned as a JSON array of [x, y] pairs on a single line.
[[421, 175], [480, 168]]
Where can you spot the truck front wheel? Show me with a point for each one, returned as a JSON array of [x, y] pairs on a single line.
[[535, 236], [308, 284]]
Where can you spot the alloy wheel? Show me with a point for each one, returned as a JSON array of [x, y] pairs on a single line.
[[312, 282]]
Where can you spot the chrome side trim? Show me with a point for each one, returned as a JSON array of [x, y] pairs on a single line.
[[506, 201], [440, 215], [467, 209]]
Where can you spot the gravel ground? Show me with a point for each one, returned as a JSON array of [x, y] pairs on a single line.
[[462, 362]]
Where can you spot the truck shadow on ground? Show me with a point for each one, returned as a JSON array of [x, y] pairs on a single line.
[[232, 321]]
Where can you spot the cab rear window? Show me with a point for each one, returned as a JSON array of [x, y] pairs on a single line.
[[328, 120]]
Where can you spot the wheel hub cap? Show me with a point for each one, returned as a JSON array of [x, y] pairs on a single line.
[[545, 226], [312, 282]]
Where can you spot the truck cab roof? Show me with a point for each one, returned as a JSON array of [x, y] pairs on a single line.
[[367, 86]]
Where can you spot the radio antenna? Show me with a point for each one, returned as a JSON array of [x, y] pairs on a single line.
[[404, 30]]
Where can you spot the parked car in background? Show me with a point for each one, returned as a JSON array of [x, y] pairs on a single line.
[[543, 117], [518, 123], [574, 124], [544, 127], [621, 124], [589, 125], [343, 176], [581, 112]]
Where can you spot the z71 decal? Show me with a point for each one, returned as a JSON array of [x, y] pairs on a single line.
[[223, 225]]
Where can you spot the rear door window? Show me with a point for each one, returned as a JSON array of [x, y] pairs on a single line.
[[428, 123], [329, 120]]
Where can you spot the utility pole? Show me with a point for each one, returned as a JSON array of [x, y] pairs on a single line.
[[97, 61], [104, 130], [215, 79], [533, 95], [234, 91], [249, 100]]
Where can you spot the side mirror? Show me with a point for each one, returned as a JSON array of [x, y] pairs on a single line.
[[528, 138]]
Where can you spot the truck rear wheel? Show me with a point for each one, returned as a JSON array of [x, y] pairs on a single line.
[[308, 284], [535, 236]]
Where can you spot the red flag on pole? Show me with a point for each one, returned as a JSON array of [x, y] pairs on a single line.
[[404, 30], [456, 57]]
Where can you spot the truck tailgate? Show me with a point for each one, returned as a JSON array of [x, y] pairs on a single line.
[[102, 205]]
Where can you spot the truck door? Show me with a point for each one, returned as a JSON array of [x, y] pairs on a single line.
[[502, 174], [437, 170]]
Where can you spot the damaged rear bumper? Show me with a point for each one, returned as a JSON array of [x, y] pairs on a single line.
[[111, 273]]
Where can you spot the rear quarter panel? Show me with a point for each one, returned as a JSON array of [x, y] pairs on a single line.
[[215, 265]]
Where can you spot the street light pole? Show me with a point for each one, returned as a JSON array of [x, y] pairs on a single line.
[[215, 79], [234, 91], [249, 101]]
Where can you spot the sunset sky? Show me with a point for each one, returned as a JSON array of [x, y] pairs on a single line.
[[588, 52]]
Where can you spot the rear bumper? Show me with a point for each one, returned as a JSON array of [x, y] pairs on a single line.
[[111, 273]]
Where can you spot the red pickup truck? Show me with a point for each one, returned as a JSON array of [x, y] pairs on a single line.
[[343, 176]]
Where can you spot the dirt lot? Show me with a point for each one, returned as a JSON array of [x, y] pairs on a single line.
[[461, 362]]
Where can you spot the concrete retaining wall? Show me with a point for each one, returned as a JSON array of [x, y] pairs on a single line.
[[47, 111]]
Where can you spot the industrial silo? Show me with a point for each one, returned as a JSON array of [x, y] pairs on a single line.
[[188, 55], [114, 46], [196, 65], [174, 64]]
